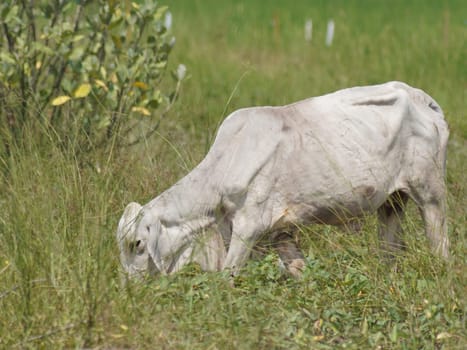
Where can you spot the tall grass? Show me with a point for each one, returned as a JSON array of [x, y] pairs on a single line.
[[59, 271]]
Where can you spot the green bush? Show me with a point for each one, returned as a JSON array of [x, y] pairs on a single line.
[[88, 70]]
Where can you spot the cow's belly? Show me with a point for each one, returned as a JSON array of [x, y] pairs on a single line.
[[337, 209], [330, 199]]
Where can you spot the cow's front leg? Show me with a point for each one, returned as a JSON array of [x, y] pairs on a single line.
[[245, 234]]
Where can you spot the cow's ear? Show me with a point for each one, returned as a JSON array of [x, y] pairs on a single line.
[[154, 233], [126, 225]]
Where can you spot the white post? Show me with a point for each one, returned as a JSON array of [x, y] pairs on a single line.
[[308, 30], [330, 33], [168, 20]]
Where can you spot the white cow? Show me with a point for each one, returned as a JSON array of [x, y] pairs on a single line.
[[325, 160]]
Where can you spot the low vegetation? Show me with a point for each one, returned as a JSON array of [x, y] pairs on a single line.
[[60, 281]]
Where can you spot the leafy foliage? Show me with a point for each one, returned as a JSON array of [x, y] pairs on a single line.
[[88, 69]]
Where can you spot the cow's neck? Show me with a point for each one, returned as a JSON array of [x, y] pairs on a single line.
[[190, 199], [184, 238], [179, 260]]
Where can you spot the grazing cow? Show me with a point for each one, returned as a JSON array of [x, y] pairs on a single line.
[[325, 160]]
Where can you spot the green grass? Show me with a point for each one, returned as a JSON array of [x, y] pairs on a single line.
[[59, 270]]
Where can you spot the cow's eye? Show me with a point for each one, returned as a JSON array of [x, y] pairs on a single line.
[[136, 247], [140, 247]]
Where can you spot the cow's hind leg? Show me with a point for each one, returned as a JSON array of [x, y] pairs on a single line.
[[390, 216], [289, 253]]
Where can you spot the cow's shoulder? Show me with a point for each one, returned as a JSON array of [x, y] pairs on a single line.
[[249, 128], [253, 118], [244, 144]]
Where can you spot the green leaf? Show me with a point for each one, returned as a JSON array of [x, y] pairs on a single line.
[[11, 15], [91, 63], [77, 53], [161, 64], [103, 122], [153, 103], [78, 37], [117, 42], [160, 12], [394, 336], [37, 46], [364, 327], [5, 57]]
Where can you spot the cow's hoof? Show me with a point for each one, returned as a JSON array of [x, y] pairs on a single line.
[[296, 268]]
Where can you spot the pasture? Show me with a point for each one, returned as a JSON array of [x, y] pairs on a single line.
[[60, 282]]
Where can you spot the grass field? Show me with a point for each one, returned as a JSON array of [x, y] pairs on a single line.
[[59, 271]]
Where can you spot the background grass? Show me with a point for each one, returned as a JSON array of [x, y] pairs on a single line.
[[59, 271]]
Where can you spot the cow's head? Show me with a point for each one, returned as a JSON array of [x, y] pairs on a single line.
[[148, 245], [133, 243]]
